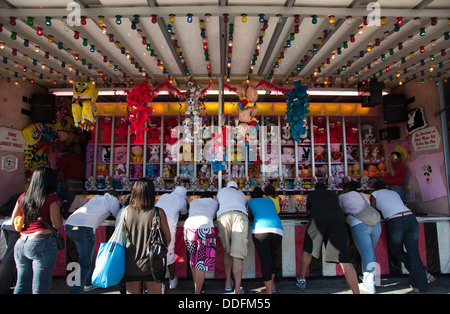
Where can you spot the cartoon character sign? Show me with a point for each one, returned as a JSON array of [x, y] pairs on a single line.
[[83, 103]]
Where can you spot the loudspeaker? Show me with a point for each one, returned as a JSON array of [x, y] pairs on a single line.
[[43, 108], [371, 93], [389, 133], [395, 108]]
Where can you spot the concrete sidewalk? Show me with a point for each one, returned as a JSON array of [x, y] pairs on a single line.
[[322, 285]]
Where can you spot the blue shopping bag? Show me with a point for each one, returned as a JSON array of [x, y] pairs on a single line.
[[110, 263]]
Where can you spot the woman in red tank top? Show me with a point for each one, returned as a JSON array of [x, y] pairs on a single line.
[[36, 250]]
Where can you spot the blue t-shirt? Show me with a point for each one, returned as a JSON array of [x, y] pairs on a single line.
[[265, 215]]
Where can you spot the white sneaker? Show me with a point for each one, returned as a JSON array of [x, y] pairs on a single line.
[[173, 283], [362, 287], [89, 288], [163, 288]]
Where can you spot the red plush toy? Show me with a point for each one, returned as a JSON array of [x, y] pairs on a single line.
[[169, 128], [105, 124], [121, 131], [351, 135], [139, 111], [335, 132]]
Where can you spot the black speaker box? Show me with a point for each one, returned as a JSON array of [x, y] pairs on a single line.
[[43, 108], [395, 108], [371, 93], [389, 133]]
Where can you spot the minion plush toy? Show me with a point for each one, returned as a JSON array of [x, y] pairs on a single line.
[[83, 103]]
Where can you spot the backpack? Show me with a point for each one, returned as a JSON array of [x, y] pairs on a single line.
[[157, 249]]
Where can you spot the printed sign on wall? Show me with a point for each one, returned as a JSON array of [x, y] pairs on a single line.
[[9, 163], [11, 140], [426, 139]]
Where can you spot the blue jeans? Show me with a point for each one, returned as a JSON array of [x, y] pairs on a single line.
[[404, 232], [35, 259], [366, 239], [84, 238]]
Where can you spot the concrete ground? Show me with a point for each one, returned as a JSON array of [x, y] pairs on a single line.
[[322, 285]]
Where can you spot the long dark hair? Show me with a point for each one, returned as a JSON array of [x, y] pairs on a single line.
[[257, 192], [270, 191], [142, 194], [351, 185], [43, 183]]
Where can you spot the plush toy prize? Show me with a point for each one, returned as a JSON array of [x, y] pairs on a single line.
[[139, 110], [83, 103], [297, 109]]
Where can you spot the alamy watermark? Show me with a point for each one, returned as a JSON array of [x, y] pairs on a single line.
[[74, 276], [74, 17], [374, 17]]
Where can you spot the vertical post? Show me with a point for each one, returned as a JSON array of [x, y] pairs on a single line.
[[313, 163], [344, 148], [161, 150], [94, 170], [445, 139], [128, 151], [328, 147], [361, 159], [111, 161], [219, 124]]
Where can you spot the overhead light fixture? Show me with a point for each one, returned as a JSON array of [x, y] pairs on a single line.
[[311, 92]]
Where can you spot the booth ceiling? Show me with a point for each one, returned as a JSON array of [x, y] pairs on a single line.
[[329, 43]]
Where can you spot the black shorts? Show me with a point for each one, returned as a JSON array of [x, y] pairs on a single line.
[[333, 234]]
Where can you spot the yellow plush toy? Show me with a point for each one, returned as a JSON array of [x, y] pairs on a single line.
[[83, 103]]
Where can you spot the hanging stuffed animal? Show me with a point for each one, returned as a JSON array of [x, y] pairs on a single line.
[[247, 115], [297, 109], [139, 110], [192, 98], [83, 103]]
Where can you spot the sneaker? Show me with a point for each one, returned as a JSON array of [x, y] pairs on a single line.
[[301, 283], [363, 288], [89, 288], [173, 283], [163, 288]]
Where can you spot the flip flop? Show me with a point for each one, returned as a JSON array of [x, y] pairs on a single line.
[[430, 278], [231, 288]]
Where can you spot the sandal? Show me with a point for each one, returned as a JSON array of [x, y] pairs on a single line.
[[231, 288], [430, 278]]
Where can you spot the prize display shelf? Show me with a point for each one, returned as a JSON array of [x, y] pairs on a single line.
[[176, 151]]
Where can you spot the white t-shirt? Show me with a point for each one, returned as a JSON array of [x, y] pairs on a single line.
[[201, 213], [94, 212], [352, 203], [389, 202], [231, 199], [172, 204]]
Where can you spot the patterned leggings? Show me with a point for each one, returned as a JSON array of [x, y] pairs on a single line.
[[201, 245]]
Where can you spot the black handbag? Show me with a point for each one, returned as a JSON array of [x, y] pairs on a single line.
[[157, 249], [59, 237]]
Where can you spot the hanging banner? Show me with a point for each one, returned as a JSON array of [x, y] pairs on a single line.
[[11, 140], [426, 139]]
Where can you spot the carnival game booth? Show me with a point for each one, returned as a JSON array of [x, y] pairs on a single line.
[[342, 142], [243, 101]]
